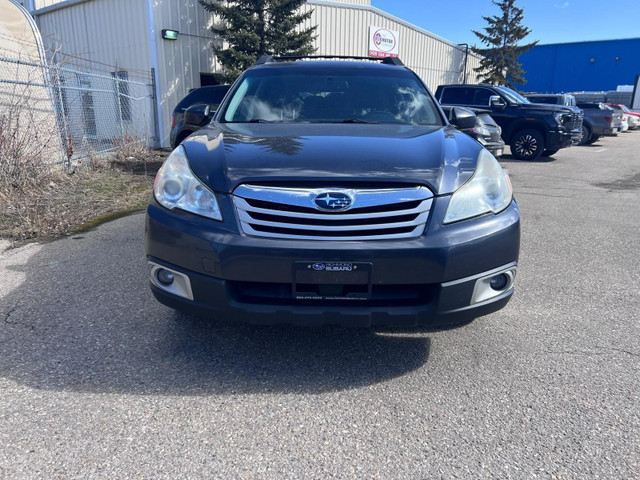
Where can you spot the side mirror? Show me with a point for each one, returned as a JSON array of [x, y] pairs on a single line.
[[495, 101], [462, 118], [198, 115]]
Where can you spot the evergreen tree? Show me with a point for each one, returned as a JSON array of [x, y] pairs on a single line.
[[499, 65], [252, 28]]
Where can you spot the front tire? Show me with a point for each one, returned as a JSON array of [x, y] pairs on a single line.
[[527, 145], [586, 135]]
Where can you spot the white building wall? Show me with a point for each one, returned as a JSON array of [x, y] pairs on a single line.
[[113, 32], [181, 61], [343, 29], [100, 37]]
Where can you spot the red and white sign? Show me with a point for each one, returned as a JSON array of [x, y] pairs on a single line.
[[382, 42]]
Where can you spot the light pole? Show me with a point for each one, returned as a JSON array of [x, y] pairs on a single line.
[[466, 54]]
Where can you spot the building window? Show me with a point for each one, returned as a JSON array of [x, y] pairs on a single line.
[[88, 112], [122, 92]]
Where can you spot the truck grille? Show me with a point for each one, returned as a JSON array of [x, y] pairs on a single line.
[[291, 213], [573, 123]]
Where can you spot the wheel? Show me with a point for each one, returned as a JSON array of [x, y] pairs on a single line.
[[527, 145], [593, 139], [549, 153], [586, 135]]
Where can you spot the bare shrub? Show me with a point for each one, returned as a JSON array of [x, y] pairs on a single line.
[[29, 139]]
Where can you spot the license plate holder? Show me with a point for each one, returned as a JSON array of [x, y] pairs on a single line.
[[332, 280]]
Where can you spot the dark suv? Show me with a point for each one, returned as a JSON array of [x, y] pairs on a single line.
[[333, 192], [530, 129], [208, 97]]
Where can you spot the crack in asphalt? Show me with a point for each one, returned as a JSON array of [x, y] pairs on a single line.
[[591, 353], [8, 314], [543, 194]]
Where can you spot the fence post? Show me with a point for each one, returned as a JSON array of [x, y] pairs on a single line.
[[64, 131], [154, 108], [117, 85]]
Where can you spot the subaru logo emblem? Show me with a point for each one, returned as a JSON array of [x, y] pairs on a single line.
[[318, 267], [333, 201]]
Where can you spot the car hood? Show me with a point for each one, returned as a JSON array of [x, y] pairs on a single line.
[[548, 107], [226, 155]]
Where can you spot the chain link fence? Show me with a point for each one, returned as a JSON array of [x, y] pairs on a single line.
[[60, 114]]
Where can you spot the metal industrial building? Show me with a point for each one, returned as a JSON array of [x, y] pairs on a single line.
[[581, 66], [127, 34]]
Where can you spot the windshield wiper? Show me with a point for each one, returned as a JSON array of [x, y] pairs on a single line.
[[262, 120], [356, 120]]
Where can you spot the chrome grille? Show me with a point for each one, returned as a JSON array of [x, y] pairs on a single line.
[[376, 214], [573, 123]]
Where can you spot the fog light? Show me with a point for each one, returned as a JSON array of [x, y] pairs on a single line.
[[499, 282], [165, 277]]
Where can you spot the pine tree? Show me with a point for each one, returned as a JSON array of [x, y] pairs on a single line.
[[252, 28], [499, 65]]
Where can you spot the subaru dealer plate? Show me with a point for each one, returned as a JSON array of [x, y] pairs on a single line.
[[332, 280]]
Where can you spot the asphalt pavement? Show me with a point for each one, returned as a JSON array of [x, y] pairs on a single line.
[[98, 380]]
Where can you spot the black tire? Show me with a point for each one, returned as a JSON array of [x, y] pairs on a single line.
[[527, 145], [593, 139], [549, 153], [586, 135]]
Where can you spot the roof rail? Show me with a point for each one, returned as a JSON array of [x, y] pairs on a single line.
[[271, 59], [264, 59]]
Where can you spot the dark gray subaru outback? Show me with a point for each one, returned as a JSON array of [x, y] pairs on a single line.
[[333, 192]]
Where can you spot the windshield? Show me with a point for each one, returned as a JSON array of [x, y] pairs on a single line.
[[512, 96], [337, 95]]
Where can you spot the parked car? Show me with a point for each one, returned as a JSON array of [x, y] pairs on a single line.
[[530, 129], [598, 121], [565, 99], [333, 192], [624, 123], [634, 122], [486, 130], [632, 118], [210, 96]]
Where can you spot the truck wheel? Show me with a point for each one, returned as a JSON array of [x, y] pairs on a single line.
[[549, 153], [593, 139], [586, 135], [527, 145]]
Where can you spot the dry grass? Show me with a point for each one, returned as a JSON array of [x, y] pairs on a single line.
[[51, 204]]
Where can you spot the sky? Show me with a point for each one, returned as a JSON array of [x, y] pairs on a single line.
[[550, 21]]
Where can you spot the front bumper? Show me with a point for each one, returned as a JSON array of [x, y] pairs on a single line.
[[495, 146], [429, 280], [560, 139]]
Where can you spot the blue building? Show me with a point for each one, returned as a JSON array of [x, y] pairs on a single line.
[[581, 66]]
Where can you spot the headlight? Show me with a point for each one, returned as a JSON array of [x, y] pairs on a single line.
[[177, 187], [488, 190], [482, 130], [558, 117]]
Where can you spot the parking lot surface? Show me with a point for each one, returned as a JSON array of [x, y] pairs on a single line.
[[98, 380]]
